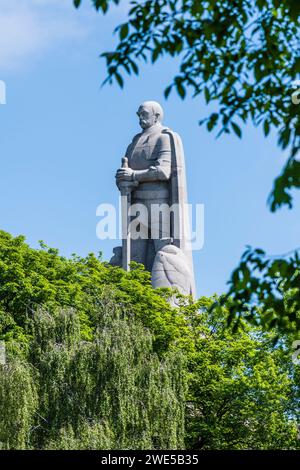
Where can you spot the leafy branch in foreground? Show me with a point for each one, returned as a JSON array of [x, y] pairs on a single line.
[[265, 290]]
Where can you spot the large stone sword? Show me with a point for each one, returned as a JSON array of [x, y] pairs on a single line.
[[126, 188]]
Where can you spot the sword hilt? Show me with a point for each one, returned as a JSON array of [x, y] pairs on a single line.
[[124, 162], [126, 186]]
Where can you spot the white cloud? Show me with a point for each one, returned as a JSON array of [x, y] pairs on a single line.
[[28, 28]]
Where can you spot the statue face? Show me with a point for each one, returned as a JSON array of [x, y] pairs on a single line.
[[147, 117]]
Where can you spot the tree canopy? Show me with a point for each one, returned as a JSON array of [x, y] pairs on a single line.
[[97, 359]]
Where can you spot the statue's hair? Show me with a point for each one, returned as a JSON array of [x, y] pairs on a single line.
[[156, 108]]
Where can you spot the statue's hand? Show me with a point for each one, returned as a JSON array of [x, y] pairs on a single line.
[[124, 174], [125, 180]]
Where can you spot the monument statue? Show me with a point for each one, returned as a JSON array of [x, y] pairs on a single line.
[[153, 185]]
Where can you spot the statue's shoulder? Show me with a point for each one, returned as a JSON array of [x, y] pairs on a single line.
[[168, 130], [133, 144], [136, 137], [164, 135], [174, 135]]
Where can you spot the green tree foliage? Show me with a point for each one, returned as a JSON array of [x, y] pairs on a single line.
[[265, 291], [243, 57], [242, 391], [30, 278], [97, 359], [109, 393], [18, 401]]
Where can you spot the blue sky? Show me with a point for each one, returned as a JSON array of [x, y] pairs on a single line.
[[62, 137]]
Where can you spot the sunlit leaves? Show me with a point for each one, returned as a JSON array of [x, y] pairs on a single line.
[[98, 359], [234, 385]]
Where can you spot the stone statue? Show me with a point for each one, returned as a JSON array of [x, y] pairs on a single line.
[[152, 178]]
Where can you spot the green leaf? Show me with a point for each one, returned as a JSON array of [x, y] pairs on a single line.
[[180, 89], [134, 67], [168, 91], [155, 54], [77, 3], [266, 127], [294, 9], [101, 5], [236, 129], [124, 30], [207, 94], [212, 122], [296, 66], [119, 79]]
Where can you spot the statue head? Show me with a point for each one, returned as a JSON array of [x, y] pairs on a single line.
[[150, 113]]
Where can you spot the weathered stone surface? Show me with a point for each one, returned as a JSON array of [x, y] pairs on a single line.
[[170, 269]]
